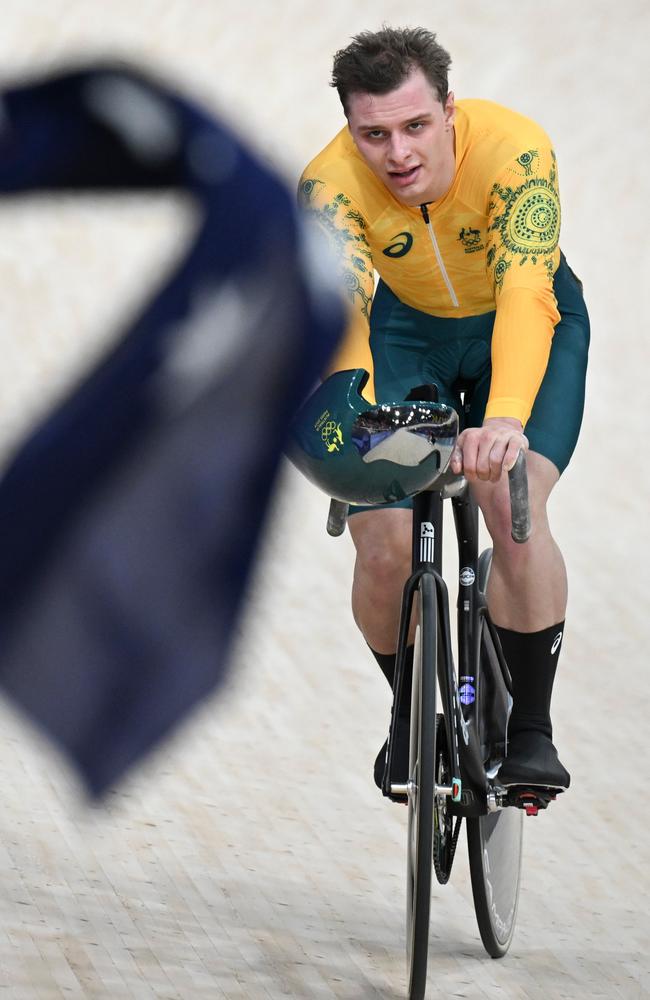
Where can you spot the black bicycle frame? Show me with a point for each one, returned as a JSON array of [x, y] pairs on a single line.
[[464, 738], [471, 609], [427, 558]]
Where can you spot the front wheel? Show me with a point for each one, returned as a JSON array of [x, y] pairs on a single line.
[[421, 790]]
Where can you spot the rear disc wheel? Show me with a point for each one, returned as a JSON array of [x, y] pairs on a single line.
[[495, 848], [495, 844]]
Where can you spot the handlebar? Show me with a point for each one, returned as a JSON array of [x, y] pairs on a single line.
[[519, 506], [337, 518]]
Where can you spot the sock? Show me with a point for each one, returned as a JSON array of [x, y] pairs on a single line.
[[532, 660], [386, 662]]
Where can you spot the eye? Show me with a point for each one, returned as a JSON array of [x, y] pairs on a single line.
[[416, 126], [375, 133]]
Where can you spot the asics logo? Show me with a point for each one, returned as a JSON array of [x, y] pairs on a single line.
[[401, 246], [556, 642]]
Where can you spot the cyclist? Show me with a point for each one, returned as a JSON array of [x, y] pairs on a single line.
[[456, 206]]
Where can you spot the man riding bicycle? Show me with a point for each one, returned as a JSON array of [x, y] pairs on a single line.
[[456, 206]]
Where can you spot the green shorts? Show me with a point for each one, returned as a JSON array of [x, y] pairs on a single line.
[[411, 348]]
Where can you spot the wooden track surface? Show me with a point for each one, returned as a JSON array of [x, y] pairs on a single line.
[[252, 857]]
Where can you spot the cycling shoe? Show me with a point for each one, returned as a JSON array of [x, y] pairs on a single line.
[[400, 757], [532, 760]]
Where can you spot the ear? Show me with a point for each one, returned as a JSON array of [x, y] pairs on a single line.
[[450, 110]]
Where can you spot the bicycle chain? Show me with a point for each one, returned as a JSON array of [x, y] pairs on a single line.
[[443, 874]]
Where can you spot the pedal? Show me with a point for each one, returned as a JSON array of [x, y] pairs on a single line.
[[531, 799]]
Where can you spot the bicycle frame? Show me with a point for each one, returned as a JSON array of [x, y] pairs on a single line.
[[469, 787]]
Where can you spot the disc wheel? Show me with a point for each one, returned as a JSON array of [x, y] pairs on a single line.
[[421, 790], [495, 845], [443, 838]]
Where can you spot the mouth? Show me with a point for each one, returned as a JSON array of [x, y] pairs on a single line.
[[402, 178]]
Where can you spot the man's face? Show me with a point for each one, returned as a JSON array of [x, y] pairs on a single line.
[[406, 138]]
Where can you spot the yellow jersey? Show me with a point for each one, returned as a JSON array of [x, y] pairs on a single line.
[[491, 243]]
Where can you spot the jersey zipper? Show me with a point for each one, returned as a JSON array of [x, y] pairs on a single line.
[[436, 248]]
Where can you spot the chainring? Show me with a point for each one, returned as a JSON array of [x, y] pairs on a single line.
[[445, 837]]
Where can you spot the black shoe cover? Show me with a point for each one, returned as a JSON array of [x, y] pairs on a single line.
[[400, 756], [532, 760]]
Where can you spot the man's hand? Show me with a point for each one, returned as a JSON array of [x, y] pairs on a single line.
[[486, 452]]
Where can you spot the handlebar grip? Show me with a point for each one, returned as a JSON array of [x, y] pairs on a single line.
[[520, 510], [337, 517]]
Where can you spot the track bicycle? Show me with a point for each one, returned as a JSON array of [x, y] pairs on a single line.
[[455, 753]]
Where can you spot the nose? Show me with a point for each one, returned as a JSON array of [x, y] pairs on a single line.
[[399, 150]]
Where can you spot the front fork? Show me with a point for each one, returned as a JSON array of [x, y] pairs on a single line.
[[427, 558]]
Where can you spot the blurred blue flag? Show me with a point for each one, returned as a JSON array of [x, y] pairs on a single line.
[[130, 517]]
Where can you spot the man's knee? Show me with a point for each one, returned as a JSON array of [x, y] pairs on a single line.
[[494, 501], [383, 543], [495, 507]]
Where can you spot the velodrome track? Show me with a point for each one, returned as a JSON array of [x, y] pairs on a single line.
[[252, 857]]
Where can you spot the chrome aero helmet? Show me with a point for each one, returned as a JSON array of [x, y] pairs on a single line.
[[370, 454]]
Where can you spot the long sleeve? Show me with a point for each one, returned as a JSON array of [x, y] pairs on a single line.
[[344, 226], [522, 257]]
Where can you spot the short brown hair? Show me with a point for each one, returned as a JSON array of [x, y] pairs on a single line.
[[376, 62]]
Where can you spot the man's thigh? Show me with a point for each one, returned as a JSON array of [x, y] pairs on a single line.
[[556, 418], [411, 348]]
